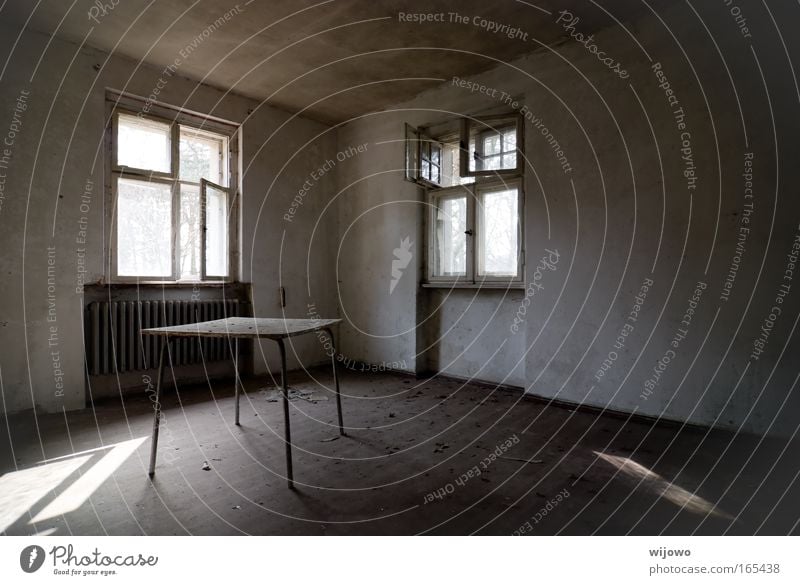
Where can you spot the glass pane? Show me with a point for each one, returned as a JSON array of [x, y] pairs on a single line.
[[216, 232], [451, 167], [143, 144], [509, 140], [189, 254], [435, 154], [144, 228], [436, 174], [491, 144], [202, 156], [425, 172], [412, 158], [472, 155], [451, 241], [499, 233], [509, 161], [426, 150], [491, 163]]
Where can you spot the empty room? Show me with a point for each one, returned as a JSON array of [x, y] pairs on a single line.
[[390, 268]]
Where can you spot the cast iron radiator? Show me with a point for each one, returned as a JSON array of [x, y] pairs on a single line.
[[114, 343]]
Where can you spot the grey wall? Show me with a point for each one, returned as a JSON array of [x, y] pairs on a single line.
[[57, 146], [624, 214]]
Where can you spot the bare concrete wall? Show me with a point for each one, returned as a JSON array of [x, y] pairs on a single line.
[[52, 113], [656, 192], [657, 197]]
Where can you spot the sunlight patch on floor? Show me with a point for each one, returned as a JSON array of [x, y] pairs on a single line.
[[76, 494], [663, 488], [20, 490]]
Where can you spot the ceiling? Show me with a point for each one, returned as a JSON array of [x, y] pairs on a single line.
[[335, 59]]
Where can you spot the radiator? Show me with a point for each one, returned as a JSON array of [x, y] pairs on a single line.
[[114, 343]]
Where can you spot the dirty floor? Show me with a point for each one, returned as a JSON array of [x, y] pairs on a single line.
[[420, 457]]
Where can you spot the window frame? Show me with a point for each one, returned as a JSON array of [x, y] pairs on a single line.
[[204, 184], [472, 279], [433, 196], [488, 123], [500, 185], [414, 139], [118, 103]]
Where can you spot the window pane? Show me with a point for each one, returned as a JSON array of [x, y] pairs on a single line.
[[144, 228], [450, 254], [425, 172], [509, 140], [491, 144], [499, 151], [435, 154], [189, 256], [412, 153], [451, 167], [491, 163], [143, 144], [426, 150], [216, 232], [202, 156], [499, 235], [472, 155]]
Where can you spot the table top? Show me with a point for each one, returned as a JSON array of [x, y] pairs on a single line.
[[245, 327]]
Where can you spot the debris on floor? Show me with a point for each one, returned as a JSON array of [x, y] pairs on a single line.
[[274, 395], [521, 460], [329, 439], [206, 466]]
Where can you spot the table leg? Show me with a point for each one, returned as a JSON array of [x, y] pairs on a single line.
[[236, 375], [336, 381], [286, 426], [157, 406]]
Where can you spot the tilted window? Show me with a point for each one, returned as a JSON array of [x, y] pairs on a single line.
[[475, 197]]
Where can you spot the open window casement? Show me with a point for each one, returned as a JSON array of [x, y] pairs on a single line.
[[216, 204], [491, 146], [424, 158], [172, 207]]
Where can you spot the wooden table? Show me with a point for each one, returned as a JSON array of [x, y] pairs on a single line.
[[237, 328]]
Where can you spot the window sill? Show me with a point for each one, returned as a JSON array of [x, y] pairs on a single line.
[[171, 283], [476, 285]]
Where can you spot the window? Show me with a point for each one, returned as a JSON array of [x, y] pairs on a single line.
[[430, 154], [174, 211], [450, 234], [495, 150], [475, 233], [475, 229], [492, 145], [423, 158], [498, 230]]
